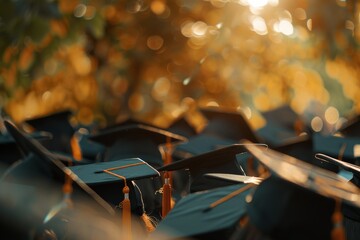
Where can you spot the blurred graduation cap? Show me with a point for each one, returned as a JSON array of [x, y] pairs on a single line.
[[19, 207], [222, 160], [226, 124], [42, 169], [298, 200], [351, 213], [351, 128], [59, 126], [182, 127], [286, 117], [276, 135], [126, 121], [135, 141], [197, 217], [347, 149], [10, 151], [302, 148], [200, 144]]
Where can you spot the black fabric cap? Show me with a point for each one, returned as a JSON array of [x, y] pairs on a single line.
[[59, 126], [42, 167], [228, 124], [135, 141], [222, 160], [191, 216], [338, 147]]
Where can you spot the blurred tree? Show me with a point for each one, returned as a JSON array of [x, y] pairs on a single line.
[[108, 58]]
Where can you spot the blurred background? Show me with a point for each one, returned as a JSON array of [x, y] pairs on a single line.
[[153, 59]]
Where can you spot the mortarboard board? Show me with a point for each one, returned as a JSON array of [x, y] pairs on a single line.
[[126, 121], [286, 117], [135, 141], [351, 128], [41, 168], [276, 135], [106, 185], [9, 150], [222, 160], [200, 144], [302, 148], [197, 217], [300, 198], [59, 126], [182, 127], [346, 148], [227, 124]]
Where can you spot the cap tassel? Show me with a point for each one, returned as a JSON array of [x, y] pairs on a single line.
[[149, 223], [75, 148], [166, 198], [338, 232], [126, 204], [126, 213], [298, 126]]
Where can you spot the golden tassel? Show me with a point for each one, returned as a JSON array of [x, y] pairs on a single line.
[[166, 198], [338, 232], [75, 148], [149, 223], [126, 214]]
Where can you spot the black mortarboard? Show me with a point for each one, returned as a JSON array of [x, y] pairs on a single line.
[[286, 117], [351, 212], [9, 150], [195, 216], [297, 200], [182, 127], [302, 148], [59, 126], [109, 186], [276, 135], [42, 168], [347, 148], [228, 124], [135, 141], [126, 121], [351, 128], [200, 144], [222, 160]]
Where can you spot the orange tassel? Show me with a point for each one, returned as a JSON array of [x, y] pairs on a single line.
[[149, 223], [75, 148], [166, 198], [338, 232], [126, 213]]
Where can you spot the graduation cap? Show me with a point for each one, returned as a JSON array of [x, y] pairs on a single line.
[[222, 160], [59, 126], [126, 121], [346, 148], [351, 128], [227, 124], [302, 148], [276, 135], [41, 168], [135, 141], [200, 144], [286, 117], [9, 150], [199, 216], [182, 127], [299, 200]]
